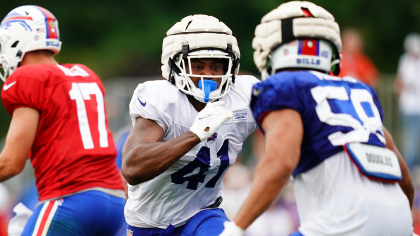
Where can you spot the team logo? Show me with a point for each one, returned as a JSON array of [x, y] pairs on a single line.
[[53, 43], [212, 138], [129, 232], [14, 17], [142, 103]]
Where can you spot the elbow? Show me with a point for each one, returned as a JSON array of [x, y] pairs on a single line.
[[408, 187], [12, 171], [134, 176], [16, 170]]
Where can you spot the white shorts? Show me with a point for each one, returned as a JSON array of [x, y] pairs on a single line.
[[334, 199]]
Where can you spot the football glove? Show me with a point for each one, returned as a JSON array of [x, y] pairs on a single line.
[[210, 119], [231, 229]]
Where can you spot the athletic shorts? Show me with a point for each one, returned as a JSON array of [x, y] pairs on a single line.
[[87, 213], [204, 223]]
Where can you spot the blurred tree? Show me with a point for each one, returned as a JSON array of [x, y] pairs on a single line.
[[125, 37]]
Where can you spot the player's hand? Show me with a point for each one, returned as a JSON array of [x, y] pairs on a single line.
[[210, 119], [231, 229]]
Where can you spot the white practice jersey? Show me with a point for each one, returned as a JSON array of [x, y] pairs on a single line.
[[334, 199], [194, 181]]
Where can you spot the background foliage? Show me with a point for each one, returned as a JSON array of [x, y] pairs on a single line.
[[124, 38]]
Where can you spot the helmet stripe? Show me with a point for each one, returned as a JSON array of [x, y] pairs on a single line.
[[50, 22], [16, 18], [309, 47]]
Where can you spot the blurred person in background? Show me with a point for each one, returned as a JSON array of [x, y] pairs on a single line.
[[407, 88], [59, 121], [187, 131], [355, 62], [325, 131]]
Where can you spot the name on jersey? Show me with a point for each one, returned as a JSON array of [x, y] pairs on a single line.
[[74, 71], [240, 116], [53, 43], [308, 61], [378, 159]]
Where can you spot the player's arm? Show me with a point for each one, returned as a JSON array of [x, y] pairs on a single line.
[[406, 183], [145, 155], [283, 138], [19, 141]]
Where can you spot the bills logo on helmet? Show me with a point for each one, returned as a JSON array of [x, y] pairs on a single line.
[[14, 17], [53, 43]]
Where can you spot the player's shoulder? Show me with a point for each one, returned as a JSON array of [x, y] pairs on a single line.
[[157, 92], [52, 72], [242, 87], [288, 81], [156, 87], [40, 72]]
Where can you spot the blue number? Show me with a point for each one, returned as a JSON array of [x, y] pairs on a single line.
[[202, 161]]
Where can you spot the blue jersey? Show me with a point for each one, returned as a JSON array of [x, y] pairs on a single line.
[[334, 111]]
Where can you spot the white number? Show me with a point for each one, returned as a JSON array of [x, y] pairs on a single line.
[[81, 92], [361, 130]]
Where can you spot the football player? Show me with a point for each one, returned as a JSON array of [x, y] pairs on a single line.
[[325, 131], [59, 120], [187, 131]]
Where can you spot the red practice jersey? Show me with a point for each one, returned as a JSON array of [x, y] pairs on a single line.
[[73, 148]]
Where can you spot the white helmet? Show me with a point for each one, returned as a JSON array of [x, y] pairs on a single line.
[[199, 36], [297, 35], [25, 29]]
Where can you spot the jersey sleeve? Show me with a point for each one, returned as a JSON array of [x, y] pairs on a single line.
[[276, 93], [19, 91], [145, 104], [377, 103]]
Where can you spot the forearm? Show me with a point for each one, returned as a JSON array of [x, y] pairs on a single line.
[[148, 160], [268, 183], [7, 169]]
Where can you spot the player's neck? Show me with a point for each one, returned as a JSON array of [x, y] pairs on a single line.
[[196, 104], [38, 57]]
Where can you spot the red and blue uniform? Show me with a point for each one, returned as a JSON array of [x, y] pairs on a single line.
[[73, 153]]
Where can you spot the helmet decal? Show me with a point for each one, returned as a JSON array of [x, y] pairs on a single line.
[[14, 17], [308, 47], [50, 22], [25, 29]]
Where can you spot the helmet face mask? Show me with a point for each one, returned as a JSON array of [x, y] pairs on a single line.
[[200, 37], [185, 83], [25, 29]]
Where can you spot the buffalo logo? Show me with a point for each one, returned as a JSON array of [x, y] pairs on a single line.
[[129, 232], [14, 17]]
